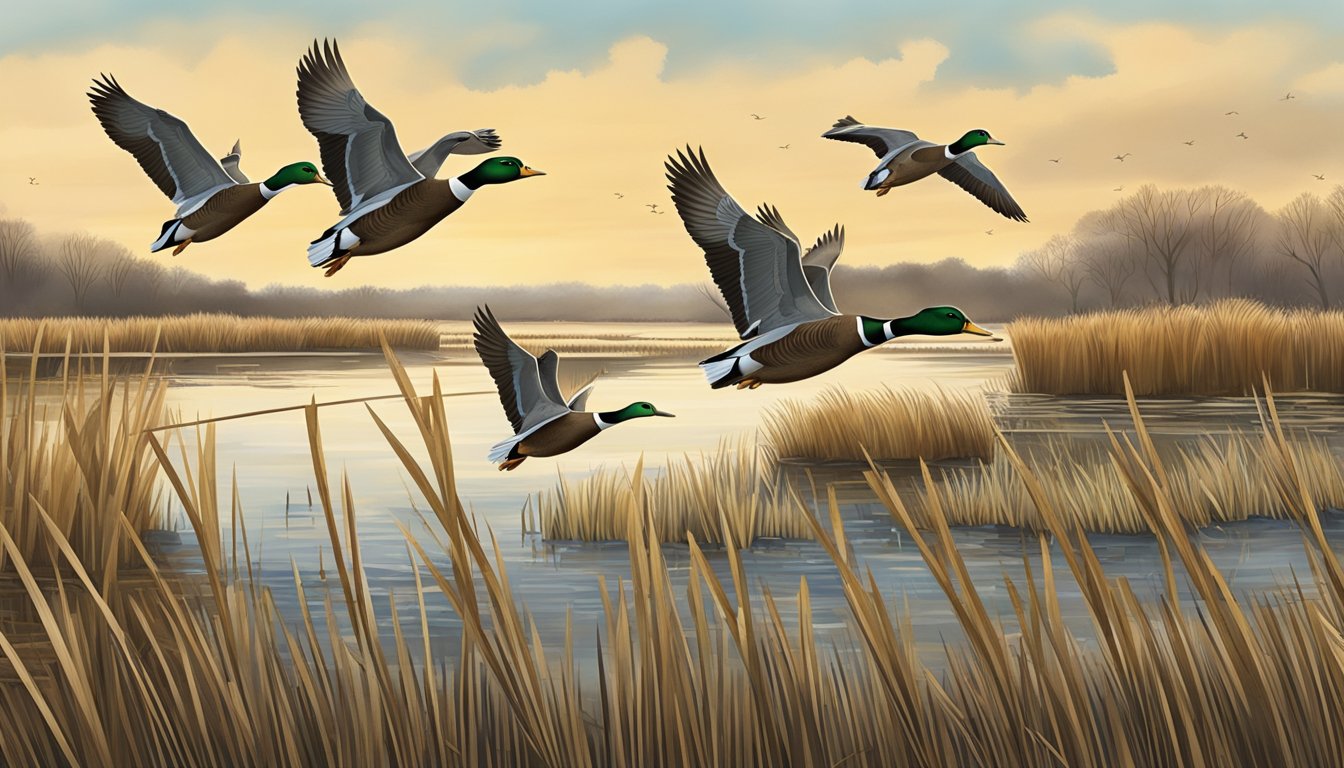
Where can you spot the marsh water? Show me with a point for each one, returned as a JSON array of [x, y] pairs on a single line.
[[559, 579]]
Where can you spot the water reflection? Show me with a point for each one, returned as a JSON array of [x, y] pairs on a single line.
[[270, 454]]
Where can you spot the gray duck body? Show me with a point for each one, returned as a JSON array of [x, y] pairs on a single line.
[[413, 212], [560, 436]]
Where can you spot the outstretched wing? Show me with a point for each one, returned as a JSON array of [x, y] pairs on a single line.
[[820, 260], [230, 163], [360, 152], [756, 266], [517, 375], [548, 369], [883, 141], [163, 145], [429, 160], [971, 175]]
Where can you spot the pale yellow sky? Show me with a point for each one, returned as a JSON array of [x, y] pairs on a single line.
[[607, 130]]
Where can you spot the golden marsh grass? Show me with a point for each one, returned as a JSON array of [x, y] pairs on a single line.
[[709, 674], [1219, 349], [737, 486], [885, 423], [219, 333], [73, 455], [1218, 480]]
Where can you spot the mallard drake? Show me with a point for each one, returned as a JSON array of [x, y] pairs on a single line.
[[903, 157], [212, 196], [387, 198], [779, 298], [544, 422]]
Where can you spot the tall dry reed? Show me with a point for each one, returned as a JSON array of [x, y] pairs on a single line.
[[1218, 349], [1218, 480], [885, 423], [73, 452], [220, 333], [739, 485], [712, 675]]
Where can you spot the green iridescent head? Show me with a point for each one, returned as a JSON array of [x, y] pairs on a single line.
[[497, 170], [939, 321], [632, 411], [295, 173], [972, 139]]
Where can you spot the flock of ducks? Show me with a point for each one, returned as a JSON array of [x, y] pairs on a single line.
[[779, 295]]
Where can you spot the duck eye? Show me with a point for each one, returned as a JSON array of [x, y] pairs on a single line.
[[952, 315]]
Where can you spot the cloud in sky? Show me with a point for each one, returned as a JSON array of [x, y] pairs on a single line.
[[605, 128], [497, 43]]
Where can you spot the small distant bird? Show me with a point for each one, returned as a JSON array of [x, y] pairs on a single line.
[[755, 116], [33, 180], [903, 158], [1319, 176], [1233, 112], [1288, 96], [784, 146], [652, 207], [1243, 135], [1189, 143], [1120, 188], [618, 195], [660, 213], [544, 422], [1056, 159], [1121, 158], [989, 231]]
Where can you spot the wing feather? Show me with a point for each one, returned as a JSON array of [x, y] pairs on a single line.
[[819, 261], [883, 141], [163, 145], [756, 267], [429, 160], [971, 175], [517, 375], [360, 152]]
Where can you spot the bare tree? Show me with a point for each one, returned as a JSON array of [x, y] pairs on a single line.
[[79, 264], [1305, 236], [1161, 223], [1228, 230], [1057, 262], [1335, 202], [1108, 263], [18, 249], [119, 265]]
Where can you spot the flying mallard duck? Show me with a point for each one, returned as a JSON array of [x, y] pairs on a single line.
[[212, 196], [904, 157], [544, 422], [781, 303], [387, 198]]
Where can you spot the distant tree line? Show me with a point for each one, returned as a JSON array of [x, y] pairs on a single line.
[[1184, 245], [1173, 246]]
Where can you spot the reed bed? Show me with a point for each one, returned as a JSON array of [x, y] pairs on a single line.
[[709, 676], [885, 424], [74, 455], [1226, 348], [738, 486], [204, 333], [1218, 480]]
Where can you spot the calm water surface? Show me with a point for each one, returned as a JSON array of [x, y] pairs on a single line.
[[270, 456]]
